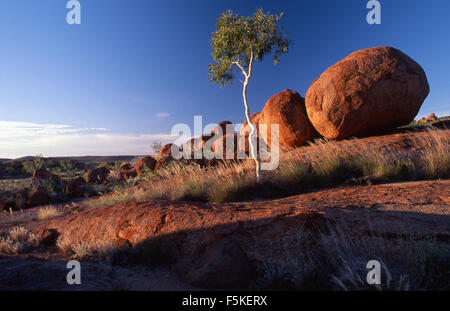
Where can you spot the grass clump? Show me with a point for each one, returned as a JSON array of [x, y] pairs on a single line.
[[18, 240], [48, 212]]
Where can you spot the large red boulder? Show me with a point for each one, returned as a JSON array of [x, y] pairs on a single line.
[[246, 129], [287, 109], [371, 89], [146, 163]]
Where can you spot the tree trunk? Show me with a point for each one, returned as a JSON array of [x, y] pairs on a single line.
[[251, 138]]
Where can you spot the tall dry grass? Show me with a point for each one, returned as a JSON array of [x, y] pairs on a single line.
[[322, 163]]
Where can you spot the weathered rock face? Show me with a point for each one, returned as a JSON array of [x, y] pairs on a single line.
[[371, 89], [246, 129], [125, 167], [192, 236], [146, 162], [166, 150], [39, 196], [224, 265], [226, 146], [221, 128], [75, 188], [287, 109], [204, 141], [42, 176], [98, 175]]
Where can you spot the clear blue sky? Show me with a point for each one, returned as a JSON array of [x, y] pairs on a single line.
[[134, 68]]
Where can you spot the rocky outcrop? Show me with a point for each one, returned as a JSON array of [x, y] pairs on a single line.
[[42, 177], [246, 129], [98, 175], [166, 150], [372, 89], [225, 147], [76, 187], [131, 173], [223, 128], [201, 239], [39, 196], [147, 162], [287, 109]]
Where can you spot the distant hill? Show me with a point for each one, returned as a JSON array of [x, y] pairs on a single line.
[[85, 159]]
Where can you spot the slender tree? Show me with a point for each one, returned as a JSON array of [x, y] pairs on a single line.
[[236, 44]]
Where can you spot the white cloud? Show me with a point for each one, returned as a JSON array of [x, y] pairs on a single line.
[[19, 139], [162, 115]]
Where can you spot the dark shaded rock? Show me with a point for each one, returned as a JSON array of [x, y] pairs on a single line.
[[75, 188], [49, 237], [224, 266], [98, 175]]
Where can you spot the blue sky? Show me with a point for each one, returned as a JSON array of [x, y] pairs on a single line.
[[134, 68]]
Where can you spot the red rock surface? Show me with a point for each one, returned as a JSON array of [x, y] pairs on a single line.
[[166, 150], [146, 162], [370, 89], [221, 128], [226, 147], [287, 109], [187, 229]]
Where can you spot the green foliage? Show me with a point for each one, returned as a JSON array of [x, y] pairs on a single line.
[[36, 164], [68, 168], [241, 40]]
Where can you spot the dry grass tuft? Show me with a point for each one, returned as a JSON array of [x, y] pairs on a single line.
[[48, 212], [18, 240]]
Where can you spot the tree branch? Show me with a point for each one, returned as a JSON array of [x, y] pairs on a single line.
[[250, 65], [242, 69]]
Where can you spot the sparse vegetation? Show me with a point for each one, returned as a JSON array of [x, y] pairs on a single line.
[[18, 240], [64, 243], [48, 212], [323, 163], [337, 258]]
